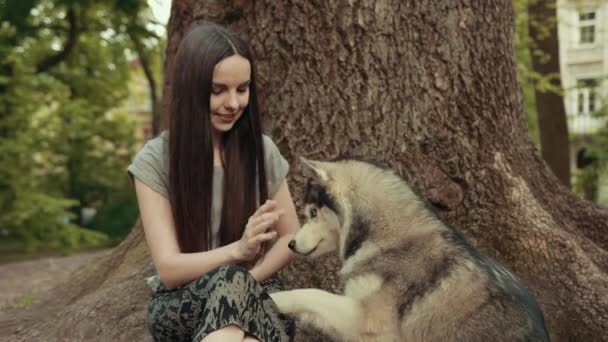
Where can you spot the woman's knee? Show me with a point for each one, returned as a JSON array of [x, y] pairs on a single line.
[[228, 333]]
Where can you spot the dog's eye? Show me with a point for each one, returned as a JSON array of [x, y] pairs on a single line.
[[313, 212]]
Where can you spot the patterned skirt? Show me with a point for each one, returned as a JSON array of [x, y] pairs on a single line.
[[228, 295]]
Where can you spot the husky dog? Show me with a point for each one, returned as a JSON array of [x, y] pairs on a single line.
[[408, 276]]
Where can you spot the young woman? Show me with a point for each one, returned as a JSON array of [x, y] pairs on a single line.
[[212, 196]]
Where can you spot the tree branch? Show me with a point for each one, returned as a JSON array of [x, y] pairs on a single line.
[[145, 63], [53, 60]]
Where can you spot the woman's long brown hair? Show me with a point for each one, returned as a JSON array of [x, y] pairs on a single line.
[[191, 148]]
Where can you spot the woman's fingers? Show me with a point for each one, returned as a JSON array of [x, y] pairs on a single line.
[[265, 237], [273, 215], [261, 223], [255, 241], [256, 231], [269, 205]]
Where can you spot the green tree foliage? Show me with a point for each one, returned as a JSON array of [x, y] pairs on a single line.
[[524, 64], [585, 180], [524, 48], [64, 67]]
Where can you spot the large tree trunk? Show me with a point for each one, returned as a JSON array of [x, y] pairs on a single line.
[[552, 121], [427, 86]]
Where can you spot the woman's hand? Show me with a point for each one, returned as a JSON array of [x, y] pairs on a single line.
[[257, 231]]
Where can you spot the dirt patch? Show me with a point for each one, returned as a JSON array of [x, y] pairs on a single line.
[[23, 283]]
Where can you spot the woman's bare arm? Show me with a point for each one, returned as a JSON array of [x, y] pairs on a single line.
[[174, 268], [279, 255]]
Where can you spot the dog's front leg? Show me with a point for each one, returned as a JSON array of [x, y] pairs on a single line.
[[333, 314]]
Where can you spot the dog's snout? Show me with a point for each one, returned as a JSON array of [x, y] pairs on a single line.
[[292, 245]]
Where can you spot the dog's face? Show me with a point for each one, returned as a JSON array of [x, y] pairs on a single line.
[[320, 234]]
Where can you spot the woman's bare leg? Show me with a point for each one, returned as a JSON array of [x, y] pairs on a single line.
[[228, 333], [249, 338]]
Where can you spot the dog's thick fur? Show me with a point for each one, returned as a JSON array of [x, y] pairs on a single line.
[[408, 276]]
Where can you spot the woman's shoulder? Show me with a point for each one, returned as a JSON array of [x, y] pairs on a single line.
[[276, 165], [153, 154], [160, 141], [267, 139], [150, 166], [269, 145], [156, 146], [271, 150]]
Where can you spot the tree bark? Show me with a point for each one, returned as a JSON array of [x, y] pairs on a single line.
[[552, 121], [430, 87]]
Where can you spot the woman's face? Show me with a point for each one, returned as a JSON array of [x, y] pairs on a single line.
[[229, 92]]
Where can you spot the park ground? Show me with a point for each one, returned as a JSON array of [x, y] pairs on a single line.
[[24, 282]]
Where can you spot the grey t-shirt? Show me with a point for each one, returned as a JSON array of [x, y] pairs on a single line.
[[151, 167]]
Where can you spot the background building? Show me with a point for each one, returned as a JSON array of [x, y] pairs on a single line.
[[583, 39]]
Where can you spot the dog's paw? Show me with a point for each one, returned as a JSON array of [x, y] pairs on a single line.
[[284, 301]]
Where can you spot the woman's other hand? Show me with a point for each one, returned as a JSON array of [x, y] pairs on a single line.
[[258, 230]]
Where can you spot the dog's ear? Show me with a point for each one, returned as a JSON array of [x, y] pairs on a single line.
[[313, 169]]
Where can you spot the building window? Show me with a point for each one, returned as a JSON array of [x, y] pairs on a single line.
[[587, 99], [586, 28]]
